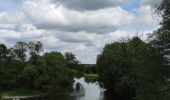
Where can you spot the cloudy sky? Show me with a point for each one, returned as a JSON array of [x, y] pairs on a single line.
[[79, 26]]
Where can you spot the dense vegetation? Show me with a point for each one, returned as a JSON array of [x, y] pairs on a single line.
[[132, 69], [136, 70], [22, 66]]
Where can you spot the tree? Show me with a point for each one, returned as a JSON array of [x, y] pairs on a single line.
[[3, 53], [115, 70], [160, 39], [148, 69], [132, 69], [6, 71], [20, 51], [35, 49], [56, 68], [54, 59], [30, 75], [40, 72], [71, 60]]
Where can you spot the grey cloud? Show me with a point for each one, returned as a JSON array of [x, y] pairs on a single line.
[[79, 27], [77, 37], [153, 3], [91, 4]]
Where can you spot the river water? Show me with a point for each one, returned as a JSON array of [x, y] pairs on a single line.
[[88, 91], [92, 90]]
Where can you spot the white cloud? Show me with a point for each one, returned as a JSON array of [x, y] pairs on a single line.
[[11, 21], [9, 34], [27, 34], [50, 16], [10, 18], [146, 15]]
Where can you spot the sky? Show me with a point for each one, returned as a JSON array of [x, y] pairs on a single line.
[[82, 27]]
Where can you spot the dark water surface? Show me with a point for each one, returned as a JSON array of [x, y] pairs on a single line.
[[83, 90]]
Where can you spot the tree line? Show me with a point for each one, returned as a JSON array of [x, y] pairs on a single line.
[[22, 66], [132, 69]]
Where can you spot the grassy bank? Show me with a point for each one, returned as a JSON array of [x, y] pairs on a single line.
[[91, 76], [23, 92]]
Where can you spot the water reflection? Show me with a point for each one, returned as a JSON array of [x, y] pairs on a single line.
[[84, 89], [90, 80], [92, 90]]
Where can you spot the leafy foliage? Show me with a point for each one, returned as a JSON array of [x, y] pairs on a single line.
[[160, 39], [35, 73], [132, 69]]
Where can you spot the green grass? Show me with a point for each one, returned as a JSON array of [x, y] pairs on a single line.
[[23, 92], [91, 75]]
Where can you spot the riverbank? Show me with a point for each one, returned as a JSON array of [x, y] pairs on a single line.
[[95, 76], [21, 94]]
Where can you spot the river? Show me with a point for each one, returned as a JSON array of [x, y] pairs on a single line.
[[92, 90], [88, 91]]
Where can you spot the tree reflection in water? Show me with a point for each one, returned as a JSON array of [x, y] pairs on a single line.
[[90, 80], [92, 92]]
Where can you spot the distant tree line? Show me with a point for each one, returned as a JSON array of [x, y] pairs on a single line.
[[89, 68], [132, 69]]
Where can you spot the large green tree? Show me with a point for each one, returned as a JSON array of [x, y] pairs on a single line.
[[161, 37], [132, 69], [56, 68], [115, 71]]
